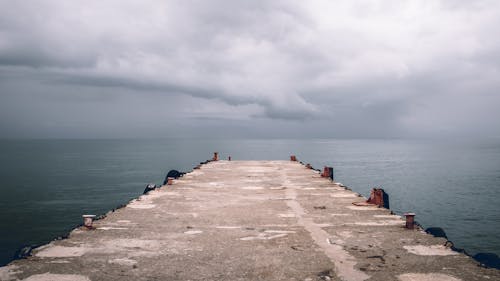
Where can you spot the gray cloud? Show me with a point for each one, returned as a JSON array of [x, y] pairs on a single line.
[[269, 68]]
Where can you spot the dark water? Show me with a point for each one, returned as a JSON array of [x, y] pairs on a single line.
[[46, 185]]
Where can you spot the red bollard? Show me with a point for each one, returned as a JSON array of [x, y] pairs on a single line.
[[379, 197], [326, 172], [376, 197], [410, 220], [293, 158], [170, 181]]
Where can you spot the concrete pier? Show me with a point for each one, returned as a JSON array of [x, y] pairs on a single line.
[[248, 220]]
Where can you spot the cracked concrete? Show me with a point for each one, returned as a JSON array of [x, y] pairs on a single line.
[[248, 220]]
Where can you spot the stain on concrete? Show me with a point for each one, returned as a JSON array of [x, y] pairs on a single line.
[[60, 261], [7, 273], [141, 204], [111, 228], [263, 236], [286, 215], [427, 277], [433, 250], [324, 225], [362, 208], [56, 277], [345, 233], [123, 261], [387, 217], [130, 243], [252, 187], [191, 232], [340, 215], [228, 227], [378, 223], [61, 252], [343, 195], [279, 231]]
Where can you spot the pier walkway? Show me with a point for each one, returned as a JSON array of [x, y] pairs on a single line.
[[248, 220]]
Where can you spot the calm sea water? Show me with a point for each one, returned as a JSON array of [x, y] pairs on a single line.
[[46, 185]]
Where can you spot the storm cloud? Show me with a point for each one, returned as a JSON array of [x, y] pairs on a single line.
[[249, 68]]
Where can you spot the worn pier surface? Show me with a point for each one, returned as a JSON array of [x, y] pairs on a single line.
[[248, 220]]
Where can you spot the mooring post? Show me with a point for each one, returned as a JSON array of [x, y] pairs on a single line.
[[375, 197], [88, 220], [293, 158], [379, 197], [326, 172], [170, 181], [330, 173], [216, 156], [229, 158], [410, 220]]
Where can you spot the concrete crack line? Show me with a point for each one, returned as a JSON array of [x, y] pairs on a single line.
[[344, 263]]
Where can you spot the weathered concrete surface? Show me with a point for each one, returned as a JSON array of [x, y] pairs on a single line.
[[248, 220]]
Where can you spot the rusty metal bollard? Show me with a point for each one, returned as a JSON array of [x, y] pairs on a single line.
[[375, 197], [88, 220], [379, 197], [330, 173], [216, 156], [170, 181], [293, 158], [326, 172], [410, 220]]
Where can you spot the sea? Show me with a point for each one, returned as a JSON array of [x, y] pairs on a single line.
[[46, 185]]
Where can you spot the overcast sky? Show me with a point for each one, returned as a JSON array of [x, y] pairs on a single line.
[[249, 68]]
